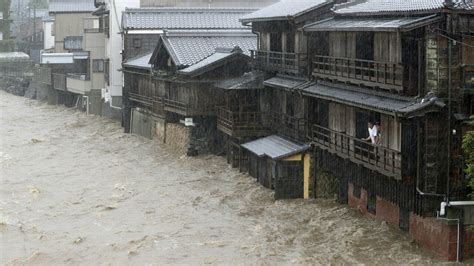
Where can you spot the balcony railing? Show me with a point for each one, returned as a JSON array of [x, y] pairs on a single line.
[[374, 157], [374, 74], [241, 124], [59, 81], [295, 63], [145, 100], [289, 126], [156, 104], [78, 76], [78, 83], [187, 109]]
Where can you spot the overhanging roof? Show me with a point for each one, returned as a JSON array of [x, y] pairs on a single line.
[[221, 56], [283, 82], [371, 24], [248, 81], [187, 48], [400, 106], [275, 147], [284, 10], [399, 7], [141, 62]]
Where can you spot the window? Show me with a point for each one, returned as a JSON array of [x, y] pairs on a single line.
[[98, 66], [106, 71], [137, 43]]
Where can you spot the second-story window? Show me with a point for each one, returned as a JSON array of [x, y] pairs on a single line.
[[98, 66]]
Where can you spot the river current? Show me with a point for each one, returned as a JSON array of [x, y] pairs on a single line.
[[74, 189]]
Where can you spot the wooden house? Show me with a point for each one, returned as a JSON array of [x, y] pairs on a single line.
[[396, 65], [187, 65], [282, 57]]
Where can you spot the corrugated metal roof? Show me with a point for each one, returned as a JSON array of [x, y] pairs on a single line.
[[370, 24], [140, 62], [282, 82], [178, 18], [374, 7], [403, 106], [187, 50], [283, 10], [275, 147], [71, 6], [250, 80]]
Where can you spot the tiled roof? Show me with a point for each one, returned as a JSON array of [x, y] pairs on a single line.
[[140, 62], [187, 49], [383, 7], [275, 147], [371, 24], [403, 106], [71, 6], [283, 10], [221, 54], [178, 18]]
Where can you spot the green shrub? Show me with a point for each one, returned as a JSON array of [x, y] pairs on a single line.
[[468, 147]]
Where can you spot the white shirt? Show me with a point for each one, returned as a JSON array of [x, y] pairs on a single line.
[[373, 132]]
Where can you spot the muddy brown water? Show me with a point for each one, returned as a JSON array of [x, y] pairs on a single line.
[[75, 189]]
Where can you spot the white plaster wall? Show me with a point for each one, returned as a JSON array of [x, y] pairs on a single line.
[[48, 35], [114, 43]]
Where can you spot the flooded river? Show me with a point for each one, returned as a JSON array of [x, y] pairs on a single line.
[[75, 189]]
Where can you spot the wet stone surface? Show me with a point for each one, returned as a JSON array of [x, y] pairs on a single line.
[[74, 189]]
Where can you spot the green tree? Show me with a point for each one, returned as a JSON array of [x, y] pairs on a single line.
[[468, 147]]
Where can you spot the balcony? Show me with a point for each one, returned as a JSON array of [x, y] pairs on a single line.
[[289, 126], [374, 157], [187, 109], [290, 63], [59, 82], [78, 83], [374, 74], [241, 124], [155, 104]]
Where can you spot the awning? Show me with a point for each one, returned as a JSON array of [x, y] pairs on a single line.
[[379, 102], [247, 82], [57, 58], [275, 147], [63, 58], [283, 82], [371, 24]]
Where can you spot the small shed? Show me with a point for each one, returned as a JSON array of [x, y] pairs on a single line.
[[280, 164]]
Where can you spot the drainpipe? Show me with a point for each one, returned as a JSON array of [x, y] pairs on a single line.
[[449, 24], [458, 240]]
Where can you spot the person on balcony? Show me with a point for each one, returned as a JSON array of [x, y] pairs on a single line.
[[373, 133]]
